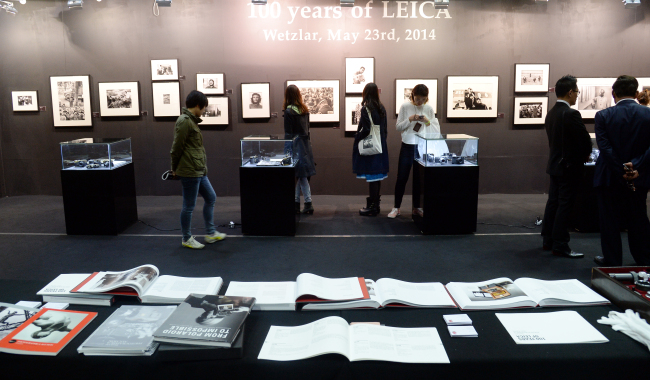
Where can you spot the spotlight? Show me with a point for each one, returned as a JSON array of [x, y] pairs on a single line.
[[441, 4], [259, 2], [8, 6], [74, 4], [629, 4], [164, 3], [23, 2], [347, 3]]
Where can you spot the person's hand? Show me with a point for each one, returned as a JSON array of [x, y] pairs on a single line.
[[630, 174], [425, 120], [414, 118]]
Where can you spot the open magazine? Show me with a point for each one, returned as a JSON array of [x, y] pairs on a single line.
[[145, 282], [333, 335], [503, 293], [387, 292], [307, 288]]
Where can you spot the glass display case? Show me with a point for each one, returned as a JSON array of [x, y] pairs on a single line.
[[96, 154], [265, 151], [435, 149], [595, 152]]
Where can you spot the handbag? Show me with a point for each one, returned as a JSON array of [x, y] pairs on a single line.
[[371, 145]]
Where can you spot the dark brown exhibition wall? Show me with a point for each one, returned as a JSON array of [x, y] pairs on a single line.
[[115, 40]]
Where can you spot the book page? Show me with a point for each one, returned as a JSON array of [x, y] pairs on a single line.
[[181, 287], [328, 288], [560, 327], [491, 294], [403, 345], [325, 336], [267, 294], [62, 285], [139, 278], [548, 293], [425, 294]]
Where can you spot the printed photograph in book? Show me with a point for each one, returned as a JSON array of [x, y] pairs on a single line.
[[141, 275], [495, 291], [50, 327], [10, 319]]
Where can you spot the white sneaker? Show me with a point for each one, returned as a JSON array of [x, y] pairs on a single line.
[[192, 243], [394, 214], [215, 237]]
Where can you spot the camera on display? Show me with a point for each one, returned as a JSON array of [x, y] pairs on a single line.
[[641, 280]]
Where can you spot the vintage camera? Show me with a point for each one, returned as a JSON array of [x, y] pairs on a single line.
[[92, 166], [457, 160], [254, 160], [286, 161], [80, 163], [641, 280], [430, 158], [106, 163], [444, 160]]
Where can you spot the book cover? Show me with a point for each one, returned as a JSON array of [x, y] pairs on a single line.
[[206, 320], [46, 333], [12, 317]]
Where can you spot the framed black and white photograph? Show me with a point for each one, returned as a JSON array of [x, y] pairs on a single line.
[[644, 85], [216, 113], [321, 97], [210, 84], [119, 99], [531, 77], [71, 101], [470, 97], [352, 113], [166, 99], [24, 101], [530, 110], [358, 73], [164, 69], [255, 102], [595, 95], [403, 88]]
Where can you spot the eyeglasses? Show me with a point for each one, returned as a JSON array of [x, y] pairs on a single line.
[[576, 91]]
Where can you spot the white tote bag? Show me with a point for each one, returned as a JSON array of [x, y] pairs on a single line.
[[371, 145]]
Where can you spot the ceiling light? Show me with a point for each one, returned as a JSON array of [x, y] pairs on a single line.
[[164, 3], [631, 3], [441, 4], [347, 3], [75, 4], [259, 2], [8, 6]]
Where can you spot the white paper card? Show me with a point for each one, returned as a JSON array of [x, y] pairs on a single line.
[[560, 327], [457, 319], [462, 331]]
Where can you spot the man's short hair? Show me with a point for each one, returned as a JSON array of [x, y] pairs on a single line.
[[625, 85], [196, 98], [565, 84]]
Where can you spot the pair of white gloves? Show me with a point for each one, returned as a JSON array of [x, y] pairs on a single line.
[[630, 324]]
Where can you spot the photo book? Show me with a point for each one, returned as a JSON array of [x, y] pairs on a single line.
[[60, 290]]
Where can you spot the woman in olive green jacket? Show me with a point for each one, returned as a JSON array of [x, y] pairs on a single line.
[[189, 163]]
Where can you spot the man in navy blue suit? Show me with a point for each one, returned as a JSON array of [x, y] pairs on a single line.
[[622, 175]]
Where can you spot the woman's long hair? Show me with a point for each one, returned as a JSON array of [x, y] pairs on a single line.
[[292, 97], [371, 100]]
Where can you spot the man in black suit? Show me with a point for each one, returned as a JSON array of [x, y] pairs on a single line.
[[622, 175], [570, 147]]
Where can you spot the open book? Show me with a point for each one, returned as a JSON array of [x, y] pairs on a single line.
[[387, 292], [306, 289], [333, 335], [145, 282], [503, 293]]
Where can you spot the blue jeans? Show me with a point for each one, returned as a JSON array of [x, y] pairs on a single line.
[[303, 184], [192, 186]]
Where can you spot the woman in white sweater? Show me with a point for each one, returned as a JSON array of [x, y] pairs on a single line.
[[413, 115]]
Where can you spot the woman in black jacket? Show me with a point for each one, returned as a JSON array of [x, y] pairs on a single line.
[[296, 123], [371, 168]]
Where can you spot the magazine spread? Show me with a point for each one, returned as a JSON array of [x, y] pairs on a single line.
[[356, 342], [387, 292], [560, 327], [503, 293], [128, 331], [46, 333], [205, 320]]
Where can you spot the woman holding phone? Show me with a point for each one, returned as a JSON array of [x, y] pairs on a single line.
[[413, 115]]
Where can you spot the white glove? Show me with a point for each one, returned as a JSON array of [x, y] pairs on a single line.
[[630, 324]]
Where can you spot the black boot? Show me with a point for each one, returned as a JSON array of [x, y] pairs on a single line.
[[364, 210], [371, 208], [297, 208], [377, 203], [308, 208]]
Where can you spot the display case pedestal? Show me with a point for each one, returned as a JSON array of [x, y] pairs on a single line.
[[99, 202], [448, 198], [267, 200]]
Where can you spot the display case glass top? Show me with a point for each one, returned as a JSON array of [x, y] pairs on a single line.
[[96, 153], [436, 149], [268, 151], [595, 152]]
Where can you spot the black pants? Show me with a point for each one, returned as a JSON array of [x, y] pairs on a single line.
[[561, 197], [406, 159], [617, 204]]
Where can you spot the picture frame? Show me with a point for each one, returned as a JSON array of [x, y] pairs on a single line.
[[164, 69], [595, 95], [352, 113], [532, 77], [321, 97], [211, 84], [119, 99], [358, 73], [24, 101], [255, 100], [166, 99], [472, 96], [530, 110], [217, 111], [71, 101], [644, 84], [403, 87]]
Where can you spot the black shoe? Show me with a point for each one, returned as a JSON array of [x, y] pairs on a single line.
[[546, 247], [570, 255], [371, 210], [308, 208], [600, 260], [547, 244], [297, 208]]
